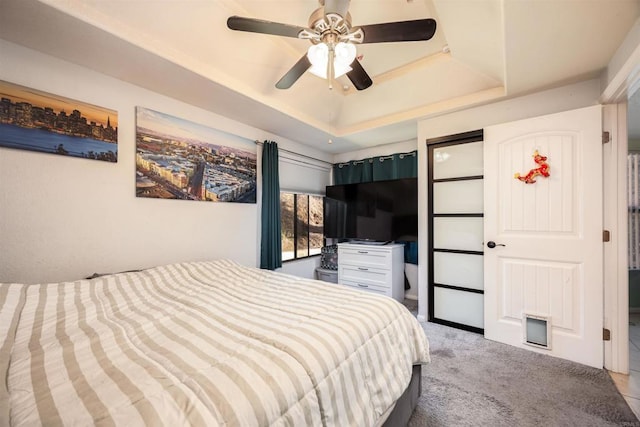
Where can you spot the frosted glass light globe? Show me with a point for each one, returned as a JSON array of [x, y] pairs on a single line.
[[345, 53], [318, 55]]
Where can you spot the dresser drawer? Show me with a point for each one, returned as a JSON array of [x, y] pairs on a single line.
[[377, 258], [366, 276], [366, 287]]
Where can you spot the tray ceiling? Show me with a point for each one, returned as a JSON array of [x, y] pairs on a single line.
[[483, 50]]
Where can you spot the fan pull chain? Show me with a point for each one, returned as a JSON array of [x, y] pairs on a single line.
[[332, 56]]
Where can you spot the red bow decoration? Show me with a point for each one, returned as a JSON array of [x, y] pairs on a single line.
[[542, 170]]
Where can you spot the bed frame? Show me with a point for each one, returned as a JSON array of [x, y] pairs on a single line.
[[406, 404]]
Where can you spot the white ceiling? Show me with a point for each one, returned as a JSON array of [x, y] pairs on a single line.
[[183, 48]]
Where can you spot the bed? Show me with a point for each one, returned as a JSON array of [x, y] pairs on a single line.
[[204, 344]]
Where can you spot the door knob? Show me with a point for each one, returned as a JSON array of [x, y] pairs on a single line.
[[491, 244]]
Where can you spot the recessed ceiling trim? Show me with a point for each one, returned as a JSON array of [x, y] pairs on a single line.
[[446, 106], [402, 70]]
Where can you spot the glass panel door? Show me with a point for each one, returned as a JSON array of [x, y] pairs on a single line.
[[455, 206]]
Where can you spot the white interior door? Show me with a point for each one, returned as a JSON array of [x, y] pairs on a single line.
[[551, 264]]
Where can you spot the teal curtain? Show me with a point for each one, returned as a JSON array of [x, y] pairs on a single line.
[[394, 166], [270, 242], [353, 172]]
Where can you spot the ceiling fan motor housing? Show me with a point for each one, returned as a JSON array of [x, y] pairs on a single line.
[[332, 23]]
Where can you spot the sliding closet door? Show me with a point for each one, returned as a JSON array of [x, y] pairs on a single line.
[[455, 179]]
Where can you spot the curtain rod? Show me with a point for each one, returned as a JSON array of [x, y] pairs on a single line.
[[412, 153], [297, 154]]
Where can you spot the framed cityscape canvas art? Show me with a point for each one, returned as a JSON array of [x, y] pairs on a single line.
[[39, 121], [180, 159]]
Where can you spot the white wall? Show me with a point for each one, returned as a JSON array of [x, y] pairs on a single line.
[[546, 102], [64, 218]]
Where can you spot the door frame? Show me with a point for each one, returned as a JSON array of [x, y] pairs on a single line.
[[620, 80], [615, 213]]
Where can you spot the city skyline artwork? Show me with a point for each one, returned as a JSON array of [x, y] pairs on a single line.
[[184, 160], [39, 121]]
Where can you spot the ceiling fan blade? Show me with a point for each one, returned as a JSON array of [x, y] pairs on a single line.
[[341, 7], [251, 25], [294, 73], [359, 76], [403, 31]]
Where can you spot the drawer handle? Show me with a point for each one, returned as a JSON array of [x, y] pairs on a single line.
[[363, 252], [363, 286], [363, 269]]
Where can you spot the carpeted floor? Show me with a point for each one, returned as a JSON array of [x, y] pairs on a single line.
[[476, 382]]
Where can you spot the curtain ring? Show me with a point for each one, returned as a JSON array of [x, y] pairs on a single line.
[[340, 165], [401, 156], [370, 160], [381, 159]]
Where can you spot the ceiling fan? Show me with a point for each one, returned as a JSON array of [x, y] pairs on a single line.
[[333, 51]]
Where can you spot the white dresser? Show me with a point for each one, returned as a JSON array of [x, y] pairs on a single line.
[[372, 268]]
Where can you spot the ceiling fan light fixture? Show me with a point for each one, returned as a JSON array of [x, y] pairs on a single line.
[[345, 53], [318, 55], [341, 70]]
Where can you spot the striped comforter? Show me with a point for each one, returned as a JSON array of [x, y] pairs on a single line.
[[202, 344]]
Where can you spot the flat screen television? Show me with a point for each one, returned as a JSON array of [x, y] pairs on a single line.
[[381, 211]]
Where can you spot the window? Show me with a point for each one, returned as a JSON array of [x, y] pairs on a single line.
[[302, 222]]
